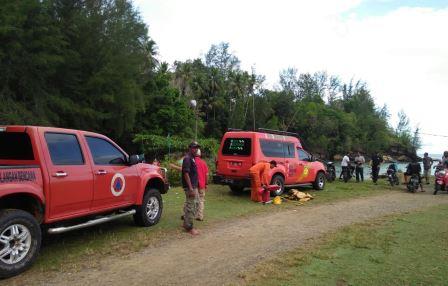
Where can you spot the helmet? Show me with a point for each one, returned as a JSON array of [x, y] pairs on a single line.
[[277, 200]]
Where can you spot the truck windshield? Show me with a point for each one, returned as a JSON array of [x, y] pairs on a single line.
[[15, 146], [237, 147]]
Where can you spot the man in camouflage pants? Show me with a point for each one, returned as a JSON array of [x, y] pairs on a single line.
[[190, 185]]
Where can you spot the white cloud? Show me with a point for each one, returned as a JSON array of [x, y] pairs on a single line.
[[402, 55]]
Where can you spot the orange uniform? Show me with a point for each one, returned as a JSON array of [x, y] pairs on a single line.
[[259, 175]]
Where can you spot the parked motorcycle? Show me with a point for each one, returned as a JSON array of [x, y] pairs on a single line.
[[413, 183], [441, 179], [331, 171], [348, 173], [392, 176]]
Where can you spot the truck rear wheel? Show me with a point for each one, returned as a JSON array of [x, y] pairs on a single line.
[[150, 211], [279, 181], [319, 182], [20, 240]]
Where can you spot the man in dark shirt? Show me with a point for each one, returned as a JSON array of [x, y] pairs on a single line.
[[427, 164], [414, 168], [190, 185], [376, 163]]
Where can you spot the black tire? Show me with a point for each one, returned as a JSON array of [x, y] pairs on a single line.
[[26, 222], [391, 182], [279, 181], [319, 182], [236, 190], [331, 176], [346, 176], [150, 211], [436, 189]]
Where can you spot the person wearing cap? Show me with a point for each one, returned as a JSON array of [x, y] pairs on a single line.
[[202, 184], [190, 185], [259, 176], [427, 164]]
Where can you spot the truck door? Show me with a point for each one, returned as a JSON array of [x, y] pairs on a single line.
[[115, 182], [71, 179], [304, 170], [291, 163]]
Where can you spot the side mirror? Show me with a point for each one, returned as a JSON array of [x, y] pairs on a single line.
[[135, 159]]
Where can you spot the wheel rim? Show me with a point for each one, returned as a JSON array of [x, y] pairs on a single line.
[[15, 243], [152, 208], [278, 183], [321, 182]]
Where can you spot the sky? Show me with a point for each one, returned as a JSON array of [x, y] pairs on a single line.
[[399, 48]]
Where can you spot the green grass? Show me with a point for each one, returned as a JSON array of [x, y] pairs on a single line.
[[67, 252], [409, 249]]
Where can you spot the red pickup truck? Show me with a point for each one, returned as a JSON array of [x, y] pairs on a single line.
[[56, 180]]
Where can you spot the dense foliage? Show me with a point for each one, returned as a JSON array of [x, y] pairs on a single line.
[[91, 65]]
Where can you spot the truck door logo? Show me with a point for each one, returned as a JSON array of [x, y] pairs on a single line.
[[117, 184]]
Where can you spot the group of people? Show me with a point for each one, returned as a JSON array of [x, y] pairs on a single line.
[[413, 168], [359, 163]]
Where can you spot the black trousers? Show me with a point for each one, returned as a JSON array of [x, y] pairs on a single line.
[[375, 172], [359, 173]]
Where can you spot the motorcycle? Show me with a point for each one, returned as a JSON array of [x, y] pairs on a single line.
[[441, 179], [331, 171], [392, 177], [413, 183], [348, 173]]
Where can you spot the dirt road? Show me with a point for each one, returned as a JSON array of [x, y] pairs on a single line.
[[218, 255]]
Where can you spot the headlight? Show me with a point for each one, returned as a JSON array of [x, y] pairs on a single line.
[[163, 172]]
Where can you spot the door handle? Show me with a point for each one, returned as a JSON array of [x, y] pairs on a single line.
[[60, 174], [101, 172]]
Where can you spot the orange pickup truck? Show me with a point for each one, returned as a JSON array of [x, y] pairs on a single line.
[[57, 180]]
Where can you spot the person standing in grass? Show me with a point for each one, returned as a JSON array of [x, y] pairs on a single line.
[[427, 164], [360, 161], [345, 166], [190, 185], [376, 163], [202, 183]]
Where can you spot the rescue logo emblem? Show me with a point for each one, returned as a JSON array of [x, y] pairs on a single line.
[[117, 184]]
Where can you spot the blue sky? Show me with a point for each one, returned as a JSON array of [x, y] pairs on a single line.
[[399, 48]]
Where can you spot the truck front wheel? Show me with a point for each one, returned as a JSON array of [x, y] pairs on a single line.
[[150, 211], [20, 239], [319, 182]]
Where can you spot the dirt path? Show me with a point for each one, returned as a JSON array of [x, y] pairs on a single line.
[[218, 255]]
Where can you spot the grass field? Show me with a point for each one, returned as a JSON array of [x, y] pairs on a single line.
[[67, 252], [409, 249]]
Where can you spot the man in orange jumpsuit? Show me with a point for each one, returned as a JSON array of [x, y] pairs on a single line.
[[259, 176]]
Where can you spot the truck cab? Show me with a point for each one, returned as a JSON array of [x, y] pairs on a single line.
[[51, 177]]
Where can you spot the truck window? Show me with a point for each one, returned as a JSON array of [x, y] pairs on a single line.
[[289, 150], [237, 147], [104, 153], [272, 148], [15, 146], [304, 156], [64, 149]]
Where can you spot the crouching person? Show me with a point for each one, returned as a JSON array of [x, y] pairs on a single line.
[[259, 176]]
